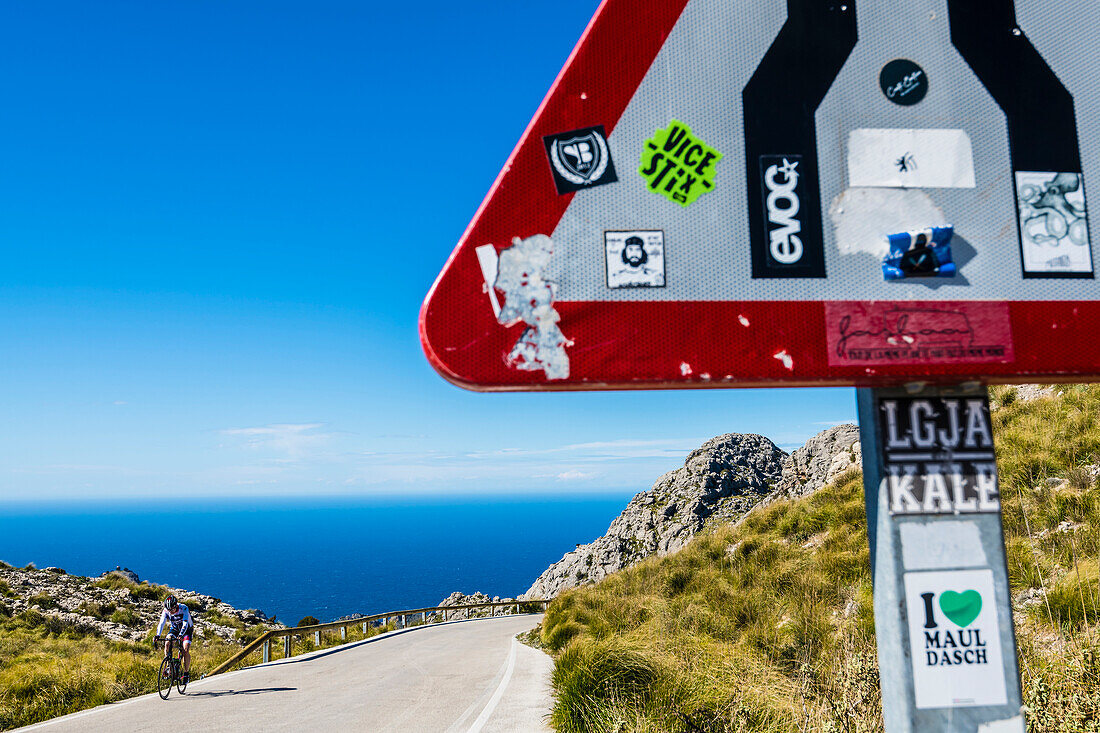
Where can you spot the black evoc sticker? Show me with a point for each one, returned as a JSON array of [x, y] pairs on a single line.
[[779, 104]]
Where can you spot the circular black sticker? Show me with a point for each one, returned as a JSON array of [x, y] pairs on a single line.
[[903, 82]]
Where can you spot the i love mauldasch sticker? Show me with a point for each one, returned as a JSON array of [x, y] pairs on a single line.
[[955, 639]]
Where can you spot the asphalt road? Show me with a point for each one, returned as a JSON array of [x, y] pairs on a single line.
[[468, 676]]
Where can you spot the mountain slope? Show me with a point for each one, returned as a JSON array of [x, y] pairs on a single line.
[[719, 482]]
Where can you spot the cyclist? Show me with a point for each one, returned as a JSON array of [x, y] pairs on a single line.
[[181, 625]]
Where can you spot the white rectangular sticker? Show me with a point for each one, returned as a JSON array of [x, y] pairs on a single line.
[[910, 158], [955, 639]]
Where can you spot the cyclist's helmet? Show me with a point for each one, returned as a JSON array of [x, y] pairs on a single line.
[[171, 604]]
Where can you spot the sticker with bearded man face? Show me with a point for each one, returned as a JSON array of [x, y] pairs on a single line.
[[635, 259]]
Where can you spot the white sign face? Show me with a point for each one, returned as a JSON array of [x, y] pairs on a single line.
[[955, 639], [635, 259]]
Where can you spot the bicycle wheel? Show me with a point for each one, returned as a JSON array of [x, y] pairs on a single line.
[[164, 678], [180, 684]]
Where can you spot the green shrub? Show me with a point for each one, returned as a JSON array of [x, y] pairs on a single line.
[[101, 611], [126, 616], [43, 601], [142, 591], [5, 590], [31, 618], [309, 621], [250, 634], [1074, 601], [595, 680], [146, 592], [215, 616], [1079, 478]]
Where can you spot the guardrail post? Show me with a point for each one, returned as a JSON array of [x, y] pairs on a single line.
[[267, 651], [286, 647], [364, 627], [343, 632], [317, 638]]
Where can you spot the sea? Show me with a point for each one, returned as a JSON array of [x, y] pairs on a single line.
[[320, 557]]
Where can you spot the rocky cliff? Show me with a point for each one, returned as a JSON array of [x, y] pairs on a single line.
[[116, 605], [720, 481], [824, 457]]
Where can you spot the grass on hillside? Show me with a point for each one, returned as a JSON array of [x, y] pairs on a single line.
[[50, 668], [768, 624]]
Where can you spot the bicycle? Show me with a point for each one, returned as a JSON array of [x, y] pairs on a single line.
[[171, 667]]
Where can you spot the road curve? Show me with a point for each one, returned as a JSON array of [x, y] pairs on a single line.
[[459, 677]]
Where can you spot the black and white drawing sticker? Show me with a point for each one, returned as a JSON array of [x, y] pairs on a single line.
[[1054, 232], [635, 259], [580, 159], [938, 455]]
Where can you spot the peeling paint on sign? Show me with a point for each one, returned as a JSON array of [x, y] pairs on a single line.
[[938, 545], [862, 217], [487, 260], [528, 298]]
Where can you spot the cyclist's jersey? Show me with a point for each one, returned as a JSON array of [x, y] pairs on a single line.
[[179, 621]]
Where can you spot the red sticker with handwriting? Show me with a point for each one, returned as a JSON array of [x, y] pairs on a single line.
[[881, 333]]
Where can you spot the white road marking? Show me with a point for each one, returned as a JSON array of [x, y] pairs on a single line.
[[495, 699]]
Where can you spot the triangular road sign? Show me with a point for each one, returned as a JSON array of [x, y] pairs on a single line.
[[722, 193]]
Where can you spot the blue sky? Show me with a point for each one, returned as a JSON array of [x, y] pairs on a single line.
[[219, 220]]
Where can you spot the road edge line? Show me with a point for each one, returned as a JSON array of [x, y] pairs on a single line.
[[498, 693]]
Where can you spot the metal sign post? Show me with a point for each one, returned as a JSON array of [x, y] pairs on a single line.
[[943, 613]]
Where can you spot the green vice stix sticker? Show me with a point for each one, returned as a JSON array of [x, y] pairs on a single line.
[[678, 165]]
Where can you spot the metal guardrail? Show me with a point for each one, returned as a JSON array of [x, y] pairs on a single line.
[[316, 629]]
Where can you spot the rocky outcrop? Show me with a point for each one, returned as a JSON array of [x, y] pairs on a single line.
[[824, 457], [116, 605], [719, 481], [461, 599], [1032, 392]]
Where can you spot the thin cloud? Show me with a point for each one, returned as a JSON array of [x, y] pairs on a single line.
[[296, 440], [604, 449]]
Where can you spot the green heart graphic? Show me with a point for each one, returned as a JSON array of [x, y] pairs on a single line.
[[961, 608]]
